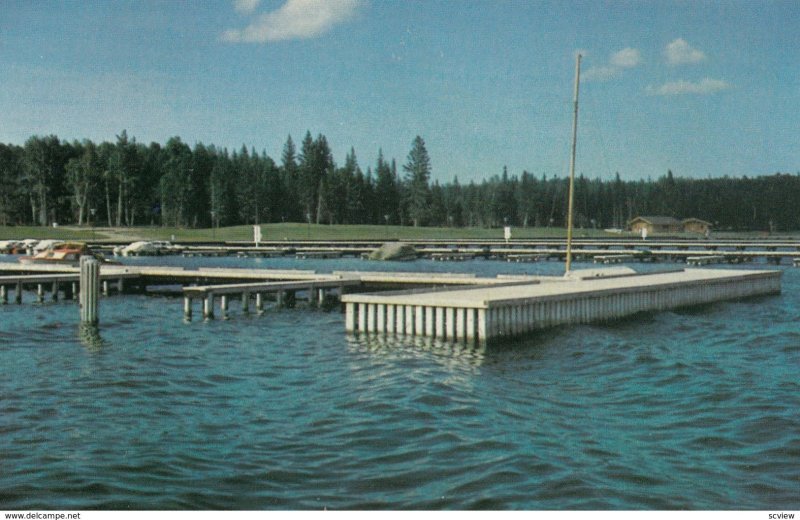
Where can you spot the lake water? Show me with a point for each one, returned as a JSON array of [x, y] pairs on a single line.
[[696, 409]]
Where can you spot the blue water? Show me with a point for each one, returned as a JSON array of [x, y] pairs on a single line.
[[696, 409]]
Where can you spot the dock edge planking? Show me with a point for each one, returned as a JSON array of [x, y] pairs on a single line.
[[497, 312]]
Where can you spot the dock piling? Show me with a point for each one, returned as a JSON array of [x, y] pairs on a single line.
[[187, 308], [89, 289], [223, 305], [208, 306]]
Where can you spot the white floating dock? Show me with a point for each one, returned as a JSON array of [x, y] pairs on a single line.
[[481, 313]]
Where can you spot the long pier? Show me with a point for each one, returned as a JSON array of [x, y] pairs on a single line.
[[450, 306], [774, 251], [55, 283], [316, 289], [481, 314]]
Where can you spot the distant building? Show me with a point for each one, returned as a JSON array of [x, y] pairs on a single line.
[[655, 225], [695, 225], [660, 224]]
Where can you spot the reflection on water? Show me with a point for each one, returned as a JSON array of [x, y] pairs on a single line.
[[472, 354], [90, 338], [283, 410]]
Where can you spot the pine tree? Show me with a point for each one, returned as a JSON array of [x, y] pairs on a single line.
[[289, 208], [418, 171], [387, 195]]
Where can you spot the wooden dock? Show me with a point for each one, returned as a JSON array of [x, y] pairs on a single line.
[[528, 257], [775, 251], [316, 290], [705, 260], [480, 314], [55, 283], [612, 259], [451, 306]]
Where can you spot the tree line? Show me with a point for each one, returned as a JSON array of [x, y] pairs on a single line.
[[127, 183]]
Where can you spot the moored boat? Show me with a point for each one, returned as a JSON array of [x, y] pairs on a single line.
[[68, 253]]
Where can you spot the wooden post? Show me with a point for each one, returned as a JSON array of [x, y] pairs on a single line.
[[380, 324], [430, 322], [259, 303], [187, 308], [55, 291], [419, 320], [370, 317], [391, 319], [3, 294], [350, 317], [223, 304], [208, 306], [39, 293], [18, 294], [470, 333], [89, 290], [572, 165], [246, 302], [362, 317]]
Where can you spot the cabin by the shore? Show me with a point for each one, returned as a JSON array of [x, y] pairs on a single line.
[[696, 225], [661, 224]]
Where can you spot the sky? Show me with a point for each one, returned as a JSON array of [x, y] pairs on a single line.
[[702, 88]]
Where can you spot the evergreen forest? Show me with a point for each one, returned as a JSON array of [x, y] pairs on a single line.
[[127, 183]]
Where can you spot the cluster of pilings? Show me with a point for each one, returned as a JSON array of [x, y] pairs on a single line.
[[284, 294]]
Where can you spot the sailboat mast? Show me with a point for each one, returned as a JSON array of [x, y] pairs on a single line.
[[572, 164]]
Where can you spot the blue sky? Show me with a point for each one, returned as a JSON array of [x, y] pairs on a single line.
[[702, 88]]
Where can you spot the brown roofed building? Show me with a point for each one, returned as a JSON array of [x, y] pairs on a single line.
[[655, 224], [660, 224], [695, 225]]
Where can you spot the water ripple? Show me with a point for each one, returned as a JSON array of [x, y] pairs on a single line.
[[694, 409]]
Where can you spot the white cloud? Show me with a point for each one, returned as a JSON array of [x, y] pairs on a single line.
[[679, 52], [626, 58], [704, 86], [296, 19], [604, 73], [245, 6]]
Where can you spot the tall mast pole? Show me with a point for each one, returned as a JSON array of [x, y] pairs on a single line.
[[572, 164]]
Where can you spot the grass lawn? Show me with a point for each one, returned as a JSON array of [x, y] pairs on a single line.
[[284, 231], [297, 231]]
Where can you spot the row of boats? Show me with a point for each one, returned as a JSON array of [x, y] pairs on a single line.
[[50, 252], [59, 252]]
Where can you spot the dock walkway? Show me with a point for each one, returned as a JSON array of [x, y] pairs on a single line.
[[316, 289], [485, 313], [452, 306]]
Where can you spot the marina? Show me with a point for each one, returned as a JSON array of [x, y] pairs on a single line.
[[664, 250], [458, 307], [341, 255], [350, 412]]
